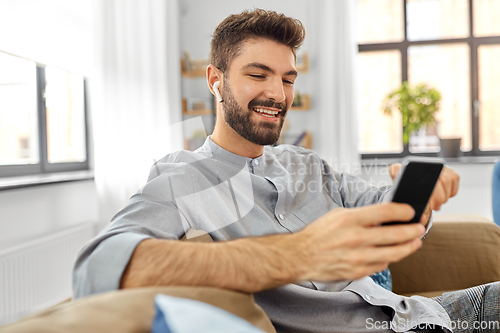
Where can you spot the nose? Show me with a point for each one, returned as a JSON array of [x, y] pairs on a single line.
[[275, 91]]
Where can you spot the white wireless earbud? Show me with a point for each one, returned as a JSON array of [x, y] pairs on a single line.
[[217, 92]]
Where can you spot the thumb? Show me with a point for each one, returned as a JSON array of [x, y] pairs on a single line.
[[394, 170]]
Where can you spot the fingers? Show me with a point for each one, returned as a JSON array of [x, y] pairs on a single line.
[[454, 189], [355, 226], [446, 187], [393, 234], [363, 261], [380, 213], [438, 197], [347, 242], [391, 253], [452, 178], [426, 215], [394, 170], [449, 179]]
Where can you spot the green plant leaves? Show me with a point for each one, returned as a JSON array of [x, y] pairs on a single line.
[[417, 105]]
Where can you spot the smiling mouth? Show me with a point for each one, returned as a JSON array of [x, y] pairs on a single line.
[[266, 112]]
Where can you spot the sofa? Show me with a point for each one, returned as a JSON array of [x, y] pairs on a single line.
[[459, 252]]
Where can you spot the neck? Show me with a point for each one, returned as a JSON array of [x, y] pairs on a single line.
[[227, 138]]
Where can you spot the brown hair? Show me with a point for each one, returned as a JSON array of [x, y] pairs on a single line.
[[230, 34]]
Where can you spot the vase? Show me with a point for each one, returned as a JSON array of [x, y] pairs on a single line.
[[450, 147]]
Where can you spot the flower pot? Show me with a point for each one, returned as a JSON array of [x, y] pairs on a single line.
[[450, 147]]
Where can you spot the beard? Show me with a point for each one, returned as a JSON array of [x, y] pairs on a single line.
[[262, 133]]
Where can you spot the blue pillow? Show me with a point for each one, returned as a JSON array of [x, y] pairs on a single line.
[[181, 315]]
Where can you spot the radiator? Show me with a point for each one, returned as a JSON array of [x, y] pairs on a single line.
[[37, 273], [474, 200]]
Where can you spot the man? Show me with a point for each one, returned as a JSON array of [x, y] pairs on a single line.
[[288, 228]]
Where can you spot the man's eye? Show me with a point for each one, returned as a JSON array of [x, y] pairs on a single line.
[[288, 82], [257, 76]]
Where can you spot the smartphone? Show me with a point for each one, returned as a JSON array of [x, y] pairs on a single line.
[[414, 184]]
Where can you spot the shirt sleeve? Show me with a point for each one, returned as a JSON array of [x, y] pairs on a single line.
[[352, 191], [151, 213]]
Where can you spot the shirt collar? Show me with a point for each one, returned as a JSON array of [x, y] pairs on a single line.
[[220, 153]]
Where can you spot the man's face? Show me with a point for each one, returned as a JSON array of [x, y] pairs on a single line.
[[258, 90]]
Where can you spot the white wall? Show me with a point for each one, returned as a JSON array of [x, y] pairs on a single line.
[[474, 195], [30, 212], [51, 32]]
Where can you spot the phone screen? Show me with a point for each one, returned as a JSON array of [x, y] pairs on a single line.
[[415, 186]]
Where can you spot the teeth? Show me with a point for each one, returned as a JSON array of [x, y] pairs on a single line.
[[266, 112]]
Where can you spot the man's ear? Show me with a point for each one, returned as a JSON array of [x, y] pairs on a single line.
[[213, 75]]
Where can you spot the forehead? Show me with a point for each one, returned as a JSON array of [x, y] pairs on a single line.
[[277, 56]]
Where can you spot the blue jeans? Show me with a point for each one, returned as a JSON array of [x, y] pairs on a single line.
[[383, 279]]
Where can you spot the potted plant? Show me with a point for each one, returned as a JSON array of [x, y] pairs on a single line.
[[417, 105]]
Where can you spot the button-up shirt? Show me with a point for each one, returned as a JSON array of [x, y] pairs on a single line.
[[231, 196]]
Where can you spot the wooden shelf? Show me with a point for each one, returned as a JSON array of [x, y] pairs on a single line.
[[306, 104], [304, 66], [307, 141], [199, 72], [303, 140], [187, 112], [197, 112]]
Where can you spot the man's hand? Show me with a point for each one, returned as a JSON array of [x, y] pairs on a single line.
[[446, 187], [347, 244]]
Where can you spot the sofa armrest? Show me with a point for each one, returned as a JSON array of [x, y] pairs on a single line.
[[132, 311], [457, 253]]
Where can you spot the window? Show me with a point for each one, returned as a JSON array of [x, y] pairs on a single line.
[[42, 119], [450, 45]]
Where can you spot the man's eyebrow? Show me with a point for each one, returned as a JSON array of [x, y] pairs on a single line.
[[267, 68]]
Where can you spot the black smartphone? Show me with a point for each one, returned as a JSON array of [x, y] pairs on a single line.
[[414, 184]]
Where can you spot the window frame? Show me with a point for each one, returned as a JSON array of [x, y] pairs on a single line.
[[474, 43], [43, 166]]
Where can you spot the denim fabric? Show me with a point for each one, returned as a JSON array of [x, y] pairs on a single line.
[[496, 193], [383, 279]]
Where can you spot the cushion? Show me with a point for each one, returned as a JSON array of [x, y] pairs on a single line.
[[132, 310], [181, 315]]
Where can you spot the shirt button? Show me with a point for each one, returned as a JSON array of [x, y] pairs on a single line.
[[256, 162], [367, 297], [281, 216]]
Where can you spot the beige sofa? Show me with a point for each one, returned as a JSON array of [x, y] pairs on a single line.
[[459, 252]]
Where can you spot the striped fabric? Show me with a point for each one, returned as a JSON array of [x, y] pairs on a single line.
[[475, 309]]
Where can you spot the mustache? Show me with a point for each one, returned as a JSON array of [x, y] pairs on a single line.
[[267, 103]]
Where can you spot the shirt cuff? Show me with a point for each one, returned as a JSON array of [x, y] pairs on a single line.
[[429, 225], [103, 268]]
